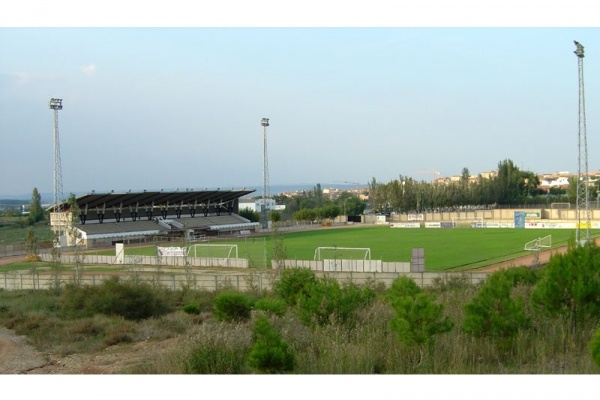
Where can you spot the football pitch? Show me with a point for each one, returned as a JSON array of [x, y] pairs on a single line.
[[445, 249]]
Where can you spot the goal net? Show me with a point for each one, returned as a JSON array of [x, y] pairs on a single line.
[[469, 222], [342, 253], [539, 243], [206, 250]]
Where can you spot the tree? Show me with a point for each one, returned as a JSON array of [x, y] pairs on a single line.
[[493, 312], [328, 212], [305, 214], [327, 300], [418, 317], [279, 250], [76, 237], [32, 245], [36, 212], [252, 216], [269, 353], [570, 284], [294, 283]]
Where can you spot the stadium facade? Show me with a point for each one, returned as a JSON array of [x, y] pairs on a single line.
[[103, 219]]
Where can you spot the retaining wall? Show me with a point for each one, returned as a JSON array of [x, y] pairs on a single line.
[[20, 280], [345, 265], [152, 260]]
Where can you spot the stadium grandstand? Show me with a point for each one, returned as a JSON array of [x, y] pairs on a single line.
[[104, 219]]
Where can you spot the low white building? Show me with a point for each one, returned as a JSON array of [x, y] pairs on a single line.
[[256, 204]]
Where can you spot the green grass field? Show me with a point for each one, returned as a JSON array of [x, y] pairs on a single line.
[[445, 249]]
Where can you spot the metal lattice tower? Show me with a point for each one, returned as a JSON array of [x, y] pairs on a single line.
[[582, 230], [56, 104], [265, 223]]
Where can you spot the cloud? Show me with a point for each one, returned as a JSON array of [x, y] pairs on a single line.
[[88, 69]]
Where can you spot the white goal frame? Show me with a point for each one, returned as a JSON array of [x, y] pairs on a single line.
[[367, 251], [539, 243], [194, 246], [468, 221]]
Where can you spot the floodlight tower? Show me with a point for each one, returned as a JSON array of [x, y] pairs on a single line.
[[56, 105], [265, 223], [582, 230]]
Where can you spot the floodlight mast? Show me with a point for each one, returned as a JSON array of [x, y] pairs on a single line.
[[582, 230], [56, 105], [265, 222]]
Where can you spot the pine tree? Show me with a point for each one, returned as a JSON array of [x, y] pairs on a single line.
[[36, 213]]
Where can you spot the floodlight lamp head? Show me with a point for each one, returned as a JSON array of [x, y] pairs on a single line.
[[264, 122], [55, 104], [579, 51]]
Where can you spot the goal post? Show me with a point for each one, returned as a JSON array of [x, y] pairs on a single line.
[[208, 250], [539, 243], [342, 253], [470, 222]]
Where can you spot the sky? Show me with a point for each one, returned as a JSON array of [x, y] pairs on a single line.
[[151, 106]]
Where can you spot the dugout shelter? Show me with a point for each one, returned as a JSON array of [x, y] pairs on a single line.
[[103, 219]]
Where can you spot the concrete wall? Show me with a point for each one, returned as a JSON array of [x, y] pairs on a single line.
[[346, 265], [153, 260], [20, 280]]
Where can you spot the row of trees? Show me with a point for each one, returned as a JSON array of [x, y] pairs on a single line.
[[510, 186], [311, 205]]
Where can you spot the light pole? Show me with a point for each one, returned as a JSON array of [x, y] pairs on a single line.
[[582, 231], [265, 223], [56, 105]]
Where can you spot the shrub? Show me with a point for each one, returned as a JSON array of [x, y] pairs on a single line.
[[294, 283], [274, 306], [417, 316], [134, 301], [269, 354], [215, 359], [402, 286], [191, 309], [595, 348], [232, 306], [492, 311], [570, 284], [326, 299]]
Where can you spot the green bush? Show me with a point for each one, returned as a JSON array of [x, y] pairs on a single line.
[[570, 285], [493, 312], [294, 283], [269, 354], [133, 301], [521, 275], [274, 306], [191, 309], [232, 306], [402, 286], [211, 358], [417, 315], [595, 348], [326, 300]]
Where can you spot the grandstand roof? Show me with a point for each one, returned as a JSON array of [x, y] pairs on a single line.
[[156, 198]]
